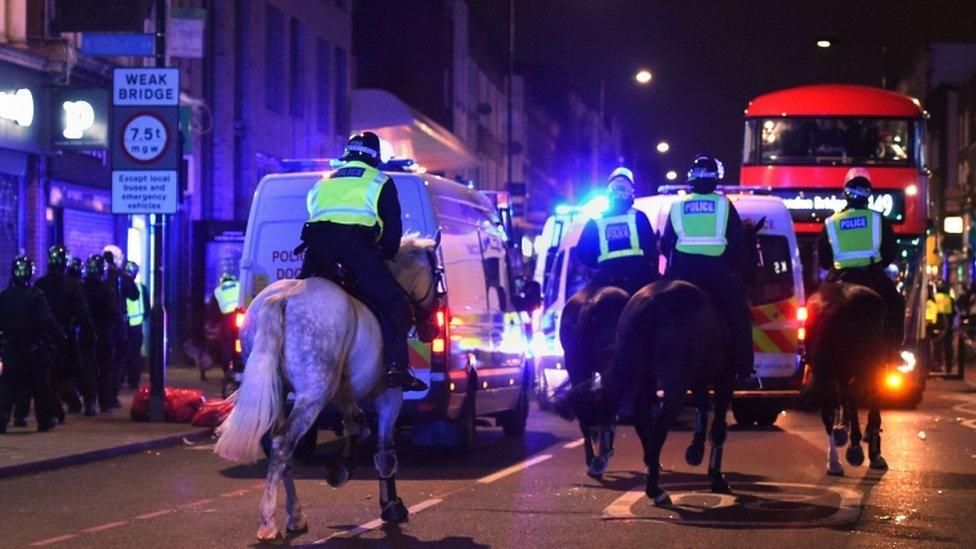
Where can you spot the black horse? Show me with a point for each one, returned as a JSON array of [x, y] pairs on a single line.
[[587, 332], [670, 336], [847, 349]]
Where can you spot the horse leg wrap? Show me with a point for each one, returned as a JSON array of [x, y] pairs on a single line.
[[606, 440], [388, 491]]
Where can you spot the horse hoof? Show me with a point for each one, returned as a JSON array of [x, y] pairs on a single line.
[[660, 498], [879, 462], [855, 455], [720, 485], [835, 469], [268, 533], [394, 511], [840, 435], [695, 454], [597, 467], [297, 525], [337, 476]]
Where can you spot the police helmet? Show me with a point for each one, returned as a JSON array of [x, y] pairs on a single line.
[[112, 253], [620, 184], [857, 185], [57, 258], [21, 270], [95, 267], [364, 147], [705, 173], [75, 267], [131, 268]]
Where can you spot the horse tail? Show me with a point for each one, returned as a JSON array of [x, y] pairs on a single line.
[[258, 401]]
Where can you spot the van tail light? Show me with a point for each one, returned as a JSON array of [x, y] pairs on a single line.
[[439, 345], [239, 319], [801, 317]]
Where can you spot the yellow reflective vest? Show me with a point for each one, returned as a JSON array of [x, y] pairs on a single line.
[[699, 222], [348, 196], [227, 295], [855, 237], [135, 308], [618, 228]]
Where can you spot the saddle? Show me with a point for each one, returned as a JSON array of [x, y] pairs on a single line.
[[336, 272]]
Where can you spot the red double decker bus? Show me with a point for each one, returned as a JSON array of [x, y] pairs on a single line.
[[800, 142]]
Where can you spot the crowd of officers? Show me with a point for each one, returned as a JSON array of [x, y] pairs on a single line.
[[70, 340]]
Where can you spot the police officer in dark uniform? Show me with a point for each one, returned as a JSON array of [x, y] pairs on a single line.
[[103, 306], [620, 244], [705, 244], [856, 244], [67, 302], [136, 310], [125, 288], [29, 335], [354, 219], [75, 268]]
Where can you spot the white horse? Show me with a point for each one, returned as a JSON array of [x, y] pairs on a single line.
[[313, 338]]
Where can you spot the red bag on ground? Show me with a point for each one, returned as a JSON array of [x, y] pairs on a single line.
[[180, 405], [212, 413]]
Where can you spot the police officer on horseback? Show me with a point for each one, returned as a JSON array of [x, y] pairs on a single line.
[[855, 245], [705, 244], [620, 244], [354, 220], [29, 338]]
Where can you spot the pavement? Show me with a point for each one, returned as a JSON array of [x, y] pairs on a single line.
[[84, 439], [533, 492]]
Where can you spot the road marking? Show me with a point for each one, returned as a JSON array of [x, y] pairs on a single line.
[[49, 541], [513, 469], [197, 502], [234, 494], [155, 514], [374, 524], [575, 444], [848, 508], [108, 526]]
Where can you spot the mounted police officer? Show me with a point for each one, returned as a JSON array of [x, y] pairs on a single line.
[[136, 310], [67, 303], [29, 335], [856, 244], [354, 220], [103, 306], [705, 244], [620, 244]]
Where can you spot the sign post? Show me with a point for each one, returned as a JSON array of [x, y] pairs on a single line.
[[145, 177]]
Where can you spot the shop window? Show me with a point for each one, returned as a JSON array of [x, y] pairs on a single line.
[[296, 61], [274, 53], [323, 86], [342, 91]]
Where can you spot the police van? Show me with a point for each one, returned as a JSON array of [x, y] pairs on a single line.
[[478, 364], [776, 301]]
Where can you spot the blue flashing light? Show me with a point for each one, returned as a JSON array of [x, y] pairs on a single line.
[[596, 206], [564, 209]]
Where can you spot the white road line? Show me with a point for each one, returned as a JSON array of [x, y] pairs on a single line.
[[513, 469], [374, 524], [50, 541], [155, 514], [102, 527], [575, 444]]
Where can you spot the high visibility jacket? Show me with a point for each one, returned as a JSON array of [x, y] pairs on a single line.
[[227, 295], [348, 196], [931, 311], [943, 302], [618, 237], [699, 222], [135, 308], [855, 237]]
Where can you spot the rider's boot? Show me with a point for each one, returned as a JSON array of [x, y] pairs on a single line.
[[399, 375], [873, 438]]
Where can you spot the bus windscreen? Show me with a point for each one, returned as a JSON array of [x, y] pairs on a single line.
[[828, 141]]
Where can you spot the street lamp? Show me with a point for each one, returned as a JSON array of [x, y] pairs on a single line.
[[663, 147], [643, 77], [824, 44], [671, 175]]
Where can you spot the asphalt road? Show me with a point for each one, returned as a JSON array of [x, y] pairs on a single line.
[[534, 493]]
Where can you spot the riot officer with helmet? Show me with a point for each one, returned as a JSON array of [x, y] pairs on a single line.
[[70, 309], [136, 311], [125, 289], [103, 305], [29, 338]]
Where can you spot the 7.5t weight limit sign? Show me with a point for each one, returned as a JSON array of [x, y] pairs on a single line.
[[145, 137]]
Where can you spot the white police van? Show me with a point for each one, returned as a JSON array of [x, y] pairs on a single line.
[[478, 364], [776, 302]]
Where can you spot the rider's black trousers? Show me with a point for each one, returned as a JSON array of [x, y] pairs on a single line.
[[378, 290]]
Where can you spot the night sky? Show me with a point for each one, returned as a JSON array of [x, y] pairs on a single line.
[[710, 58]]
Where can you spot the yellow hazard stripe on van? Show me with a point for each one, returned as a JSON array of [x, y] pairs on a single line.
[[774, 340], [775, 327], [419, 354]]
